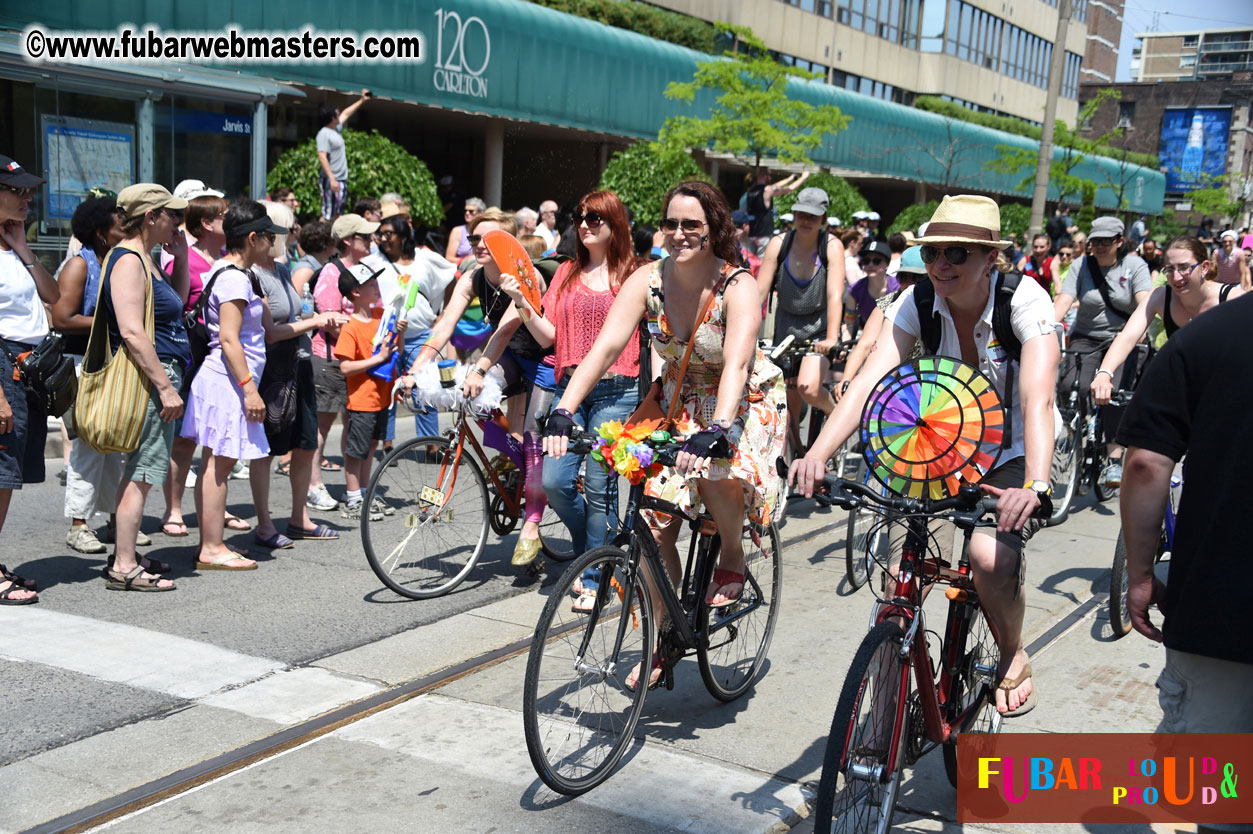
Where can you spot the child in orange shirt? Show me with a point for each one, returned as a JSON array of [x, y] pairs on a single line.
[[368, 396]]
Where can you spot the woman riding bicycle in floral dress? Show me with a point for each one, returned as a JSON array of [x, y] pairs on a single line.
[[733, 407]]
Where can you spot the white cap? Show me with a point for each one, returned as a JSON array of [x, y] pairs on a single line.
[[922, 230], [833, 221], [872, 215], [1230, 233], [858, 215], [787, 217], [190, 189]]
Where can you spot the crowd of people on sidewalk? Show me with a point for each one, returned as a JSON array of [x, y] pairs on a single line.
[[249, 330]]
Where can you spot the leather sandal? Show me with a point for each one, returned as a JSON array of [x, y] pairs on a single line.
[[136, 580], [1008, 686]]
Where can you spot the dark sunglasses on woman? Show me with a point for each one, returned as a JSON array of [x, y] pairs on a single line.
[[670, 225], [474, 240], [593, 218], [956, 255]]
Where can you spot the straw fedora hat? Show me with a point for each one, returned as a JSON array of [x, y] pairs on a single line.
[[965, 218]]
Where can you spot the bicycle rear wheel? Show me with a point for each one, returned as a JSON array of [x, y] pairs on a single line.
[[857, 791], [554, 538], [865, 540], [737, 636], [974, 684], [439, 530], [578, 715]]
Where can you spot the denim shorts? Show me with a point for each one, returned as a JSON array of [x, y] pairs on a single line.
[[22, 446]]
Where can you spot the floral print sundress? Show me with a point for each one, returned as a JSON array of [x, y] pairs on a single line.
[[758, 431]]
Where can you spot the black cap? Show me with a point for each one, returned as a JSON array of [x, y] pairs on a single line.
[[11, 173], [877, 248]]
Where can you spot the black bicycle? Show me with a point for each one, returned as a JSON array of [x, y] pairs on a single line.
[[580, 707], [1079, 453]]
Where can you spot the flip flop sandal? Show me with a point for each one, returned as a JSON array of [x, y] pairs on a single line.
[[1009, 686], [321, 531], [327, 466], [135, 581], [283, 469], [654, 677], [178, 525], [722, 578], [7, 598], [234, 522], [220, 562], [276, 542], [585, 602], [19, 581]]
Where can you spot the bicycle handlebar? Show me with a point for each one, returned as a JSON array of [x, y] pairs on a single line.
[[791, 344], [582, 442], [966, 509]]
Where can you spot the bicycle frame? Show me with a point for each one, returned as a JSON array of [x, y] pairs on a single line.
[[459, 435], [906, 603], [682, 611]]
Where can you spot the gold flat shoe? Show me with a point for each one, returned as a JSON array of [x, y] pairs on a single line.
[[525, 552]]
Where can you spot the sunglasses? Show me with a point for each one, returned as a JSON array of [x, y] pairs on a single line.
[[1065, 254], [474, 240], [593, 219], [955, 255], [874, 261], [1102, 241], [689, 226], [22, 193]]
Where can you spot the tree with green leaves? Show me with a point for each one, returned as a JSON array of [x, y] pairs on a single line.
[[752, 114], [1212, 200], [643, 173], [1063, 184], [911, 217], [378, 166]]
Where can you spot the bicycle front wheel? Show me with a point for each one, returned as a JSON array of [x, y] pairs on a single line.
[[1064, 473], [860, 779], [737, 636], [438, 532], [578, 713], [554, 538], [973, 692], [1119, 618]]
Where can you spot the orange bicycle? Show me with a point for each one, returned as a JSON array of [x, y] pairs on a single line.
[[444, 494]]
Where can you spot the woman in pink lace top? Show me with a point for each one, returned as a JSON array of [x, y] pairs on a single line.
[[575, 307]]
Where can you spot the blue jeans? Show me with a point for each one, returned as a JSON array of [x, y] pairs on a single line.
[[592, 516], [426, 420]]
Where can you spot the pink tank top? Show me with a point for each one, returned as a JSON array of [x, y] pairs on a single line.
[[578, 316]]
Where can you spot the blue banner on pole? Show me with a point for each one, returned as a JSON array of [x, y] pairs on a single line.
[[1194, 146]]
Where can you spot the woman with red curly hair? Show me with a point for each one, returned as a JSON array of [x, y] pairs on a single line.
[[576, 307], [733, 406]]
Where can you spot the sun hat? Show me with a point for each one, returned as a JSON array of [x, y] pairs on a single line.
[[391, 209], [347, 225], [1106, 227], [911, 261], [812, 201], [191, 189], [142, 197], [740, 217], [965, 218]]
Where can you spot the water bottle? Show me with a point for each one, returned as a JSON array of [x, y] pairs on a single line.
[[307, 307]]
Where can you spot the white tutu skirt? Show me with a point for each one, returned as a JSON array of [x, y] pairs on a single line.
[[214, 417]]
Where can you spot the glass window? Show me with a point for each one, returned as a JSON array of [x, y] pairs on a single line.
[[807, 5], [909, 24], [870, 25], [952, 26], [931, 26], [963, 37]]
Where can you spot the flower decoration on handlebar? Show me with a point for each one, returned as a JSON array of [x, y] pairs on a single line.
[[931, 425], [625, 450]]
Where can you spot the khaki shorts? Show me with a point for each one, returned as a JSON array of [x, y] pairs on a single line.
[[150, 462], [1201, 694]]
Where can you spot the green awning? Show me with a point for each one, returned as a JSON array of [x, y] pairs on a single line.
[[517, 60]]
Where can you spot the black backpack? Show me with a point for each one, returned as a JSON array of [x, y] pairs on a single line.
[[196, 324], [823, 241], [1002, 326]]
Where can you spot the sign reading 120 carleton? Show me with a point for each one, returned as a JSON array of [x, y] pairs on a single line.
[[462, 51]]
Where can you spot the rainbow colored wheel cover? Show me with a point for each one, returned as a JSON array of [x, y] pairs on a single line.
[[930, 425]]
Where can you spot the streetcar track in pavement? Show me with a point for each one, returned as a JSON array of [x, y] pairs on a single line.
[[288, 739]]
